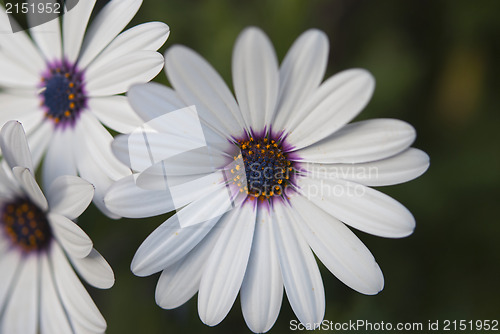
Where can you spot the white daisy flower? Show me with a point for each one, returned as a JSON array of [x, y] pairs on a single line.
[[39, 291], [63, 86], [305, 175]]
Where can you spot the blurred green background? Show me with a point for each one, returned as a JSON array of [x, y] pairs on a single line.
[[436, 66]]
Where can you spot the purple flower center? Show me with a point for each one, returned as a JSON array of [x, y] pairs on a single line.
[[63, 94], [268, 170], [26, 225]]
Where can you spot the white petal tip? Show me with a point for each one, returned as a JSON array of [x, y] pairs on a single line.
[[250, 35], [402, 232], [166, 29], [166, 303], [260, 328], [373, 290], [252, 30], [425, 161], [402, 228], [211, 320], [176, 50], [138, 269], [86, 249], [365, 76], [161, 25], [410, 228], [107, 284]]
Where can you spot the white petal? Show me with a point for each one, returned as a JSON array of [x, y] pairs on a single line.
[[300, 74], [4, 245], [71, 237], [115, 112], [262, 289], [195, 162], [21, 313], [69, 196], [170, 241], [80, 328], [95, 270], [180, 281], [15, 44], [97, 141], [91, 172], [152, 100], [9, 267], [147, 36], [94, 161], [153, 147], [106, 26], [400, 168], [126, 199], [47, 36], [182, 188], [53, 318], [79, 306], [255, 77], [15, 146], [59, 159], [335, 103], [362, 141], [9, 186], [301, 276], [15, 74], [195, 80], [27, 181], [133, 150], [225, 268], [361, 207], [74, 23], [24, 108], [116, 76], [38, 141], [174, 139], [338, 248]]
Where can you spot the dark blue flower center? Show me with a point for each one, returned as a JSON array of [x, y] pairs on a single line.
[[26, 225], [63, 93], [267, 168]]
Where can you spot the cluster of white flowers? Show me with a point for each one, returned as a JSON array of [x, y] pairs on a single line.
[[262, 182]]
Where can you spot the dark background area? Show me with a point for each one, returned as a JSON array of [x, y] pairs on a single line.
[[436, 66]]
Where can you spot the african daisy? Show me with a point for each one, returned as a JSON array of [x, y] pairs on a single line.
[[39, 291], [63, 86], [290, 176]]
